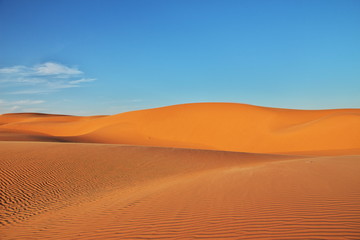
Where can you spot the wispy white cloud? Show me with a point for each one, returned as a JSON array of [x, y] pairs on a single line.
[[29, 92], [18, 105], [51, 68], [83, 80], [49, 77], [41, 78], [14, 69], [26, 102], [44, 69], [20, 102]]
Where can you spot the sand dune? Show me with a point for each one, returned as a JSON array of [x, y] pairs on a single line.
[[216, 126], [192, 171]]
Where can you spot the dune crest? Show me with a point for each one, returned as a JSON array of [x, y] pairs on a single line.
[[216, 126]]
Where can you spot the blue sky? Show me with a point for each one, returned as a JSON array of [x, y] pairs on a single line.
[[105, 57]]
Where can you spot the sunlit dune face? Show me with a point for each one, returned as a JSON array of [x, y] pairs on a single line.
[[217, 126]]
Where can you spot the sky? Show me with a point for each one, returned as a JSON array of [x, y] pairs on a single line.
[[109, 56]]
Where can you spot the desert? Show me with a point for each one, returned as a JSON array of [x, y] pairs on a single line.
[[181, 119], [188, 171]]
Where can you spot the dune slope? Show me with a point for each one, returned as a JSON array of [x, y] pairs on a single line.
[[217, 126]]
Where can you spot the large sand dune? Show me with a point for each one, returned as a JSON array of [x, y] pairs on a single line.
[[217, 126], [181, 172]]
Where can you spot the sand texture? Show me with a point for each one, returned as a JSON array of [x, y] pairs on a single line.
[[192, 171]]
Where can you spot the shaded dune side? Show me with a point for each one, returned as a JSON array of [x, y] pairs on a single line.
[[192, 194], [29, 136], [217, 126], [34, 117], [35, 124], [37, 177]]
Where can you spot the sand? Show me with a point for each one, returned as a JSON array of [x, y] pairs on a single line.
[[216, 126], [193, 171]]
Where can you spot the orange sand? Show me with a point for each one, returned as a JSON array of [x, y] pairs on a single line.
[[301, 180], [216, 126]]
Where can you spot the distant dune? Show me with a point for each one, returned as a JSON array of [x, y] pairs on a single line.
[[216, 126], [192, 171]]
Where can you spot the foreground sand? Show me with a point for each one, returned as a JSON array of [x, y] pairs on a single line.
[[100, 191], [55, 186]]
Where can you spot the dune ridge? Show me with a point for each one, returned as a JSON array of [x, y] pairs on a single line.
[[216, 126]]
